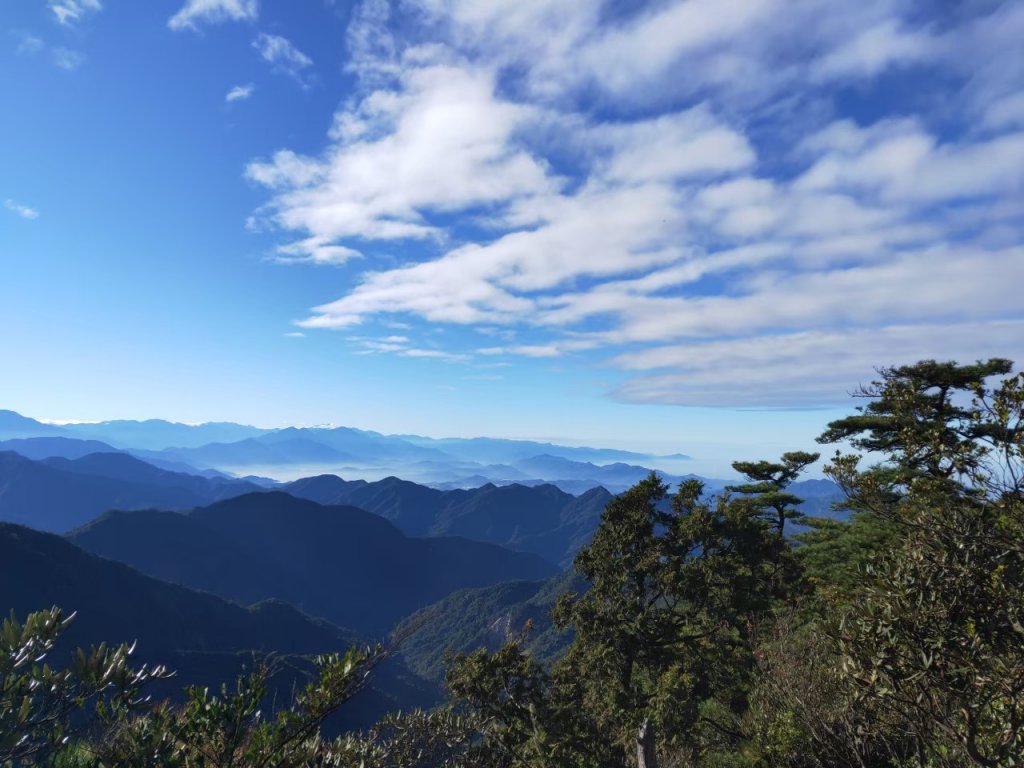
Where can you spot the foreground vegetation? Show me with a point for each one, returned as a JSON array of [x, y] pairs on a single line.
[[705, 636]]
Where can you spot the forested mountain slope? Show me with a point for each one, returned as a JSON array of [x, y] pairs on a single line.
[[345, 564]]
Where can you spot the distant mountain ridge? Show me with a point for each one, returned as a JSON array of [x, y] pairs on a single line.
[[540, 519], [348, 565], [243, 450], [58, 494], [157, 434], [14, 426], [50, 447]]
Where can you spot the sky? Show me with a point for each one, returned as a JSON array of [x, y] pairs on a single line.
[[685, 225]]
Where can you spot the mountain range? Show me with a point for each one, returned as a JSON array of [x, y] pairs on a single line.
[[166, 544], [293, 452], [58, 494], [203, 639], [345, 564], [541, 519]]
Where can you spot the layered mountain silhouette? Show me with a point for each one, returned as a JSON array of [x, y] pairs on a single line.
[[345, 564], [58, 494], [291, 446], [489, 450], [118, 604], [289, 452], [540, 519], [14, 426], [156, 434], [51, 447], [204, 639]]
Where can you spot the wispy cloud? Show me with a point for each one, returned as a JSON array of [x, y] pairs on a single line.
[[67, 59], [403, 346], [196, 12], [72, 11], [21, 210], [650, 221], [314, 250], [283, 56], [29, 44], [435, 354], [240, 93], [812, 367], [63, 58]]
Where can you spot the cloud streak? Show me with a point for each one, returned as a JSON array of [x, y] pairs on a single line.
[[18, 209], [283, 56], [197, 12], [70, 12], [240, 93]]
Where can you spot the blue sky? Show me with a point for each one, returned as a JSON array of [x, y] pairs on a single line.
[[688, 225]]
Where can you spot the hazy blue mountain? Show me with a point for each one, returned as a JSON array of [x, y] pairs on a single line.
[[450, 462], [14, 426], [47, 447], [156, 434], [363, 445], [156, 460], [256, 452], [206, 640], [819, 496], [616, 477], [59, 494], [350, 566], [486, 450], [447, 471], [295, 446], [123, 466], [540, 519]]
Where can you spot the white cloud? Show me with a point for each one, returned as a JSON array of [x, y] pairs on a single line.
[[63, 58], [444, 143], [195, 12], [661, 184], [434, 354], [689, 143], [67, 59], [72, 11], [240, 93], [29, 44], [282, 55], [21, 210], [813, 367], [643, 50], [875, 49], [900, 161], [314, 250]]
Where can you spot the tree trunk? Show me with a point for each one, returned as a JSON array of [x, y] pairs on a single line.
[[645, 755]]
